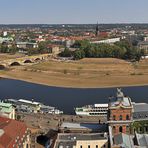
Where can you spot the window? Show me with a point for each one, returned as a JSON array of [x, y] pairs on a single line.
[[120, 117], [120, 129], [114, 129], [146, 128], [127, 117], [127, 129], [114, 117]]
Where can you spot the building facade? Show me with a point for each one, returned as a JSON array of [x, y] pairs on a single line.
[[79, 140], [120, 113]]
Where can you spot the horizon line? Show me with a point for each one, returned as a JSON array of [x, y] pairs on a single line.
[[70, 23]]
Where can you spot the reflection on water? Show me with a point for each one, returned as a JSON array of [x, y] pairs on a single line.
[[65, 98]]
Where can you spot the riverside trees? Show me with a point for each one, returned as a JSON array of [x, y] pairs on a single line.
[[121, 50]]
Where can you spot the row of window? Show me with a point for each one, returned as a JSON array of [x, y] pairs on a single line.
[[120, 129], [121, 117], [96, 146]]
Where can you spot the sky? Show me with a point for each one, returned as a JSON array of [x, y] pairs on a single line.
[[73, 11]]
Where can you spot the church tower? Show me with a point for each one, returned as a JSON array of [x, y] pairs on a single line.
[[120, 113], [97, 30]]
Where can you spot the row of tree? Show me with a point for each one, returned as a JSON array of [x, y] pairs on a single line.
[[42, 48], [122, 50]]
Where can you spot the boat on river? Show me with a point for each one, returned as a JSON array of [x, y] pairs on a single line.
[[92, 110]]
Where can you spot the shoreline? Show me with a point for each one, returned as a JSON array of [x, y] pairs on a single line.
[[72, 87]]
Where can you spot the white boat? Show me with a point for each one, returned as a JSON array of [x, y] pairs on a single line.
[[92, 110]]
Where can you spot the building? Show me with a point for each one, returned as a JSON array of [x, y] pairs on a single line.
[[141, 140], [79, 140], [120, 113], [67, 127], [97, 30], [123, 141], [26, 45], [5, 39], [5, 33], [35, 106], [13, 134], [7, 110], [144, 45], [54, 49], [107, 41]]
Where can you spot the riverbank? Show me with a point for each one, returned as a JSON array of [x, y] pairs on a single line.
[[86, 73]]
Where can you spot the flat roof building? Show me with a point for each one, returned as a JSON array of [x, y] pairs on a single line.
[[78, 140]]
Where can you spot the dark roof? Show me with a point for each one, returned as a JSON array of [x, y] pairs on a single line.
[[140, 111], [143, 43], [140, 107]]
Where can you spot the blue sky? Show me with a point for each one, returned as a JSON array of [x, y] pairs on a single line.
[[73, 11]]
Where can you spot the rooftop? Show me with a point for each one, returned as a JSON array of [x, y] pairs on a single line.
[[5, 104], [69, 140], [80, 136], [6, 107], [84, 126], [142, 139], [140, 107], [120, 100], [10, 130], [28, 102], [123, 140]]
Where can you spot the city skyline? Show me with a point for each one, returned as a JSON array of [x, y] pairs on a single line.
[[73, 12]]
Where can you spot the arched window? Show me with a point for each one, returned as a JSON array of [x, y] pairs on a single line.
[[114, 129], [127, 117], [127, 129], [120, 117], [114, 117], [120, 129]]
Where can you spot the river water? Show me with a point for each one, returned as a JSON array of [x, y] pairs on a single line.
[[65, 98]]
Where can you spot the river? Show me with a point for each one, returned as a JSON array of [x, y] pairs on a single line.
[[65, 98]]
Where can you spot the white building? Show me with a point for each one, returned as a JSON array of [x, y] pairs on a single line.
[[107, 41]]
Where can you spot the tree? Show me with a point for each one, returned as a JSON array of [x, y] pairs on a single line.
[[79, 54], [13, 49], [66, 53]]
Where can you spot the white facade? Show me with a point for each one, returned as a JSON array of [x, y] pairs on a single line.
[[107, 41]]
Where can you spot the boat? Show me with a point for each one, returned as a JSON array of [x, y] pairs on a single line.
[[92, 110]]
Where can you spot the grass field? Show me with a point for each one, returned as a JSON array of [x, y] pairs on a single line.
[[106, 72], [4, 56]]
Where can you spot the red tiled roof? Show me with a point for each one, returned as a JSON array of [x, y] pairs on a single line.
[[12, 129]]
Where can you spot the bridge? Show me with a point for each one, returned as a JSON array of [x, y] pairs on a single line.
[[23, 60]]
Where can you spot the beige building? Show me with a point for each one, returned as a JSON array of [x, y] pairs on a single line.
[[79, 140], [144, 45]]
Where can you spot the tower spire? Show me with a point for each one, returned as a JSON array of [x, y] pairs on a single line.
[[97, 29]]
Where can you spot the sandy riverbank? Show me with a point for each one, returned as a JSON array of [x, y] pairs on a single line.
[[86, 73]]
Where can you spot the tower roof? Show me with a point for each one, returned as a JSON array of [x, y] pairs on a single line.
[[120, 100]]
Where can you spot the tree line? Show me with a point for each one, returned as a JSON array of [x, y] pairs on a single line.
[[122, 50]]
